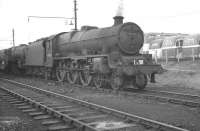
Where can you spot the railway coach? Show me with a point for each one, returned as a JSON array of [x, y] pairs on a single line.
[[12, 59]]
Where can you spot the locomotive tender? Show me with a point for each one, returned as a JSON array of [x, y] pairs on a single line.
[[98, 56]]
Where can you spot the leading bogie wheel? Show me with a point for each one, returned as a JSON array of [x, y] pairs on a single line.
[[85, 77], [116, 82], [98, 80], [60, 72], [72, 76], [46, 75], [141, 81]]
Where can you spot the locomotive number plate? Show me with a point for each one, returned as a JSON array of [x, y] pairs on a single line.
[[138, 62]]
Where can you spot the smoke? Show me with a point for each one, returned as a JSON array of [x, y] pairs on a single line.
[[120, 8]]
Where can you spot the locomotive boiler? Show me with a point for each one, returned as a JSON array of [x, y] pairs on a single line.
[[123, 38]]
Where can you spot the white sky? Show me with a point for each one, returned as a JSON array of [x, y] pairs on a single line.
[[181, 16]]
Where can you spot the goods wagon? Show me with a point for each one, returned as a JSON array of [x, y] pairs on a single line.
[[35, 53], [18, 55], [13, 58], [4, 59]]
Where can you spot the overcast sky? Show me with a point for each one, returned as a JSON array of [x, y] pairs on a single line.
[[181, 16]]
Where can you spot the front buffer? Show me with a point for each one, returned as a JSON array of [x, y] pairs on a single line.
[[134, 74]]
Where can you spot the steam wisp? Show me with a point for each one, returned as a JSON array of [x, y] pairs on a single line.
[[120, 8]]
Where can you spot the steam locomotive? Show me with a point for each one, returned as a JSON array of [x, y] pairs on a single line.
[[98, 56]]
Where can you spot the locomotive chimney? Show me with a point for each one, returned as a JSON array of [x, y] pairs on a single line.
[[118, 20]]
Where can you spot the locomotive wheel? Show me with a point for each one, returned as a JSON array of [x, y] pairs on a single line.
[[46, 75], [60, 74], [72, 77], [98, 80], [85, 77], [116, 80], [116, 83], [140, 81]]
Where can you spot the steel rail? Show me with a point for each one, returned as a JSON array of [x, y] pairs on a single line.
[[131, 117], [175, 93], [144, 94], [171, 97]]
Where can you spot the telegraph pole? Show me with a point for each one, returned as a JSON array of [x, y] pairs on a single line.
[[75, 14], [13, 37]]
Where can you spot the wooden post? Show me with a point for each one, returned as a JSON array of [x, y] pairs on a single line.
[[178, 55], [193, 55], [166, 57], [156, 59]]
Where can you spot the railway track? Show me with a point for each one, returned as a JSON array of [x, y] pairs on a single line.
[[162, 96], [34, 109], [173, 97], [188, 100], [73, 114]]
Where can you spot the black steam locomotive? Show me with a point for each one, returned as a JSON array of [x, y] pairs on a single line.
[[98, 56]]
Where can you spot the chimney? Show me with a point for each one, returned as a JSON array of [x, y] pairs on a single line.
[[118, 20]]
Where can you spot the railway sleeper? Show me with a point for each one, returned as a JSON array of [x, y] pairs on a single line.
[[29, 110], [91, 117], [62, 107], [8, 98], [3, 95], [37, 113], [53, 105], [60, 127], [50, 122], [69, 110], [81, 114], [186, 103], [20, 104], [24, 107], [15, 102], [42, 117], [191, 104]]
